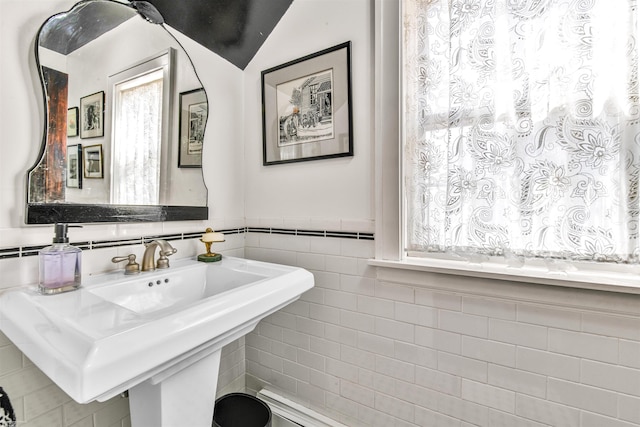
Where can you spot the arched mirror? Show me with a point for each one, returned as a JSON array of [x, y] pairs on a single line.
[[125, 115]]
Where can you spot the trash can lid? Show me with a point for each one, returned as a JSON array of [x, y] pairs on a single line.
[[241, 410]]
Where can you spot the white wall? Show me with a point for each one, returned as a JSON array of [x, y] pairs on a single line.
[[327, 190]]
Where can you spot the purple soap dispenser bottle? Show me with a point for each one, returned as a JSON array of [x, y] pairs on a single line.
[[60, 264]]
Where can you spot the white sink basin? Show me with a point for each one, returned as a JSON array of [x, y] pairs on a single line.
[[117, 332], [174, 287]]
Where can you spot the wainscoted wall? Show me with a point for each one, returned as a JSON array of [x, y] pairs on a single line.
[[38, 402], [399, 348], [380, 347]]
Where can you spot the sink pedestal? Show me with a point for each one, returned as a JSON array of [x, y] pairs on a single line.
[[174, 398]]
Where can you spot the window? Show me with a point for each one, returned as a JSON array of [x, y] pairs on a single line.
[[313, 93], [521, 129], [136, 142], [520, 136], [140, 96]]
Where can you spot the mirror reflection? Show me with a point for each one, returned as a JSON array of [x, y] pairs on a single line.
[[117, 89]]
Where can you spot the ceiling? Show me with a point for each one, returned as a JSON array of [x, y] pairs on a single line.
[[66, 32], [234, 29]]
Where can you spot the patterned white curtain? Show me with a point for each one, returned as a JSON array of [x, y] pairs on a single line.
[[137, 134], [521, 134]]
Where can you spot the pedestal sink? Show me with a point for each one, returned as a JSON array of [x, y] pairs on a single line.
[[156, 334]]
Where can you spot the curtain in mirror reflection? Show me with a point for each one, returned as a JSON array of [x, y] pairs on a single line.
[[136, 141]]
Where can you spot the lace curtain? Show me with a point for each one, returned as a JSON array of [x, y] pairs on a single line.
[[521, 132], [137, 133]]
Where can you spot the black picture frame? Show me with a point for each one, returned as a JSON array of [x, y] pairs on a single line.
[[92, 161], [74, 166], [72, 122], [92, 115], [194, 110], [307, 108]]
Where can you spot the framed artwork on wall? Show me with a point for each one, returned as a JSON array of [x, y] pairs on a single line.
[[306, 108], [74, 166], [72, 121], [92, 161], [92, 115], [193, 118]]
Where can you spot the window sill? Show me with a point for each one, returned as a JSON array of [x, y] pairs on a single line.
[[625, 279]]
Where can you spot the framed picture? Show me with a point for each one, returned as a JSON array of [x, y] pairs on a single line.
[[193, 118], [306, 108], [74, 165], [72, 121], [92, 115], [92, 160]]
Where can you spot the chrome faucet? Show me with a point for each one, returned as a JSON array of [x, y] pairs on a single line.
[[148, 263]]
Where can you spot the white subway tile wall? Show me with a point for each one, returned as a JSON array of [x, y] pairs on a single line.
[[394, 348], [391, 348]]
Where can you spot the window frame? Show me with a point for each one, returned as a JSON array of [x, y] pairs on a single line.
[[165, 61], [388, 179]]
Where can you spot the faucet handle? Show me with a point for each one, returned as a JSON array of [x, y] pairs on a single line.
[[132, 266], [168, 252], [163, 261]]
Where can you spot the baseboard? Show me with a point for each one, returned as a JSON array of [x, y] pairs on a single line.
[[295, 412]]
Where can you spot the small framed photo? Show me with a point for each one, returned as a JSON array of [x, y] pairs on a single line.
[[92, 160], [74, 166], [193, 118], [92, 115], [72, 121], [306, 108]]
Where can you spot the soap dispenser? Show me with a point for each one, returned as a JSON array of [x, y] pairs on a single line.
[[59, 264]]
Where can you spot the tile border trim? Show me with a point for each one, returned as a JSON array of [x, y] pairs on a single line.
[[315, 233], [32, 250]]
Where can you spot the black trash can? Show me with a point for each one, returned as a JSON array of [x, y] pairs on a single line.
[[241, 410]]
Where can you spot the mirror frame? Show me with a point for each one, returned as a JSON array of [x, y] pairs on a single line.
[[49, 213]]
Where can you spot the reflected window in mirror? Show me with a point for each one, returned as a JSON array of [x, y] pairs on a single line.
[[140, 103], [136, 141]]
